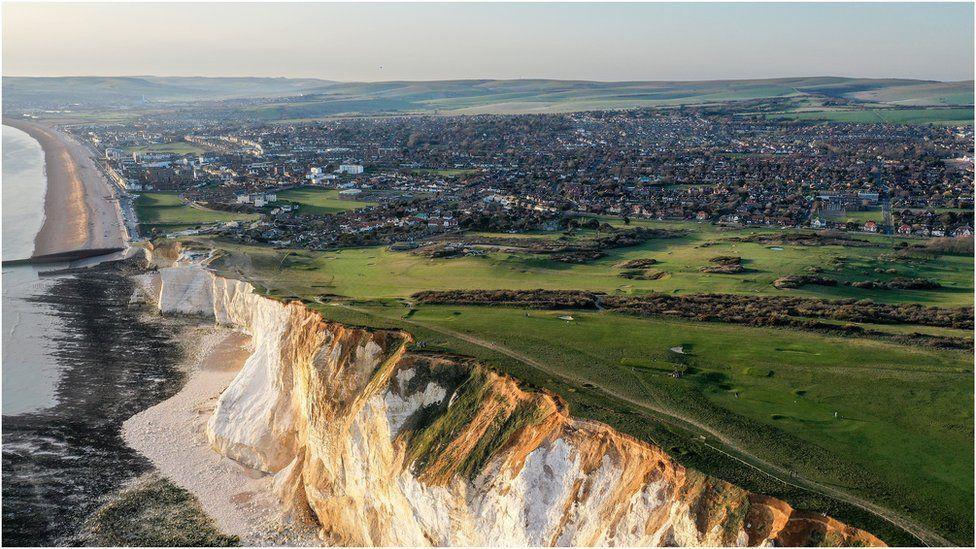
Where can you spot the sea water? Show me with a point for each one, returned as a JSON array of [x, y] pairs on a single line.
[[78, 360], [29, 373]]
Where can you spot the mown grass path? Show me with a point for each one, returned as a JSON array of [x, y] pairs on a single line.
[[681, 421]]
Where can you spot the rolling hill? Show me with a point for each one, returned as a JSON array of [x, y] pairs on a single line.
[[119, 91], [285, 98]]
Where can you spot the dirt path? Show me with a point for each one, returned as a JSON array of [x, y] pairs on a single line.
[[686, 423]]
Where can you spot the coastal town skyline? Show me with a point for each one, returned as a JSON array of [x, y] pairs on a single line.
[[422, 42]]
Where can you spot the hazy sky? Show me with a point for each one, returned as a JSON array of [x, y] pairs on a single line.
[[368, 42]]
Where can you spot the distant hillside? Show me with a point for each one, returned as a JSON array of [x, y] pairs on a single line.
[[118, 91], [310, 98], [543, 96], [930, 93]]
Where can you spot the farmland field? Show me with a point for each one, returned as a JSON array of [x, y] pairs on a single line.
[[313, 200]]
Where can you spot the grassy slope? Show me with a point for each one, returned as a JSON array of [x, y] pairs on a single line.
[[548, 96], [936, 93], [320, 201], [167, 211], [134, 90], [324, 99]]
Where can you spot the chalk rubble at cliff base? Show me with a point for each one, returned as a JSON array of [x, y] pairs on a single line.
[[378, 446]]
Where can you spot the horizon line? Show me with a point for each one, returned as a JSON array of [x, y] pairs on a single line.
[[488, 79]]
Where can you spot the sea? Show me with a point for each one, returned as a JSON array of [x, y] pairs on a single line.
[[29, 376], [77, 360]]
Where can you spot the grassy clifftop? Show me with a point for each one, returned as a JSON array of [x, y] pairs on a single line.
[[885, 421]]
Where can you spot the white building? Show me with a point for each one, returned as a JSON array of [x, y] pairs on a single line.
[[869, 197], [317, 175], [258, 199], [134, 185], [351, 169]]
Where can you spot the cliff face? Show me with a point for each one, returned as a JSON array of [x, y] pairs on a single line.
[[383, 447]]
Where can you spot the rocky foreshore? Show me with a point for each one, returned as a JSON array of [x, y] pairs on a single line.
[[61, 463]]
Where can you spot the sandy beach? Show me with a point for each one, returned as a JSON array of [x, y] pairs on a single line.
[[172, 435], [79, 206]]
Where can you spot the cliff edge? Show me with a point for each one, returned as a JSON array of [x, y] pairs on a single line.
[[380, 446]]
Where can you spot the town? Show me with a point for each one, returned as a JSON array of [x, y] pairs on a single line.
[[411, 177]]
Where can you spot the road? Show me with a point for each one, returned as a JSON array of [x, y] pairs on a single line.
[[688, 424]]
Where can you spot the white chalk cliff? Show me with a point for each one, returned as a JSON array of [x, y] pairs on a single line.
[[379, 446]]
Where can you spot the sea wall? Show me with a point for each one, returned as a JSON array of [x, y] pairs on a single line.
[[380, 446]]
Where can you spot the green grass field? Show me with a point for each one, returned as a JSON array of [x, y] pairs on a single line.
[[903, 432], [165, 211], [858, 216], [377, 272], [313, 200], [180, 147]]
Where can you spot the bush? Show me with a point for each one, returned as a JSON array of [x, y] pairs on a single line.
[[961, 245]]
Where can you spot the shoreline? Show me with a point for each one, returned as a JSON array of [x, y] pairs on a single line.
[[104, 360], [80, 207]]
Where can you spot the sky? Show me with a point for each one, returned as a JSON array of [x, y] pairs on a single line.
[[404, 41]]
